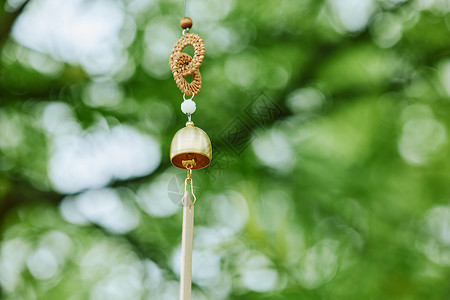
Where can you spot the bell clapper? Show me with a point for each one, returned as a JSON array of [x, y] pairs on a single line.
[[188, 164]]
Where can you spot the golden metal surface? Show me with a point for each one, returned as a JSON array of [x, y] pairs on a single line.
[[190, 143], [189, 164]]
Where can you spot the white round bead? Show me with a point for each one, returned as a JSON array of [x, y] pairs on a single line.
[[188, 106]]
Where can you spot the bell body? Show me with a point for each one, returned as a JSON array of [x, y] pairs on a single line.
[[190, 148]]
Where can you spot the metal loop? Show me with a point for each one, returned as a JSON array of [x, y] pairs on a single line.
[[192, 191], [186, 30], [184, 97], [189, 178]]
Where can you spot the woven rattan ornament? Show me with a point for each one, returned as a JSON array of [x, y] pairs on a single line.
[[183, 65], [190, 148]]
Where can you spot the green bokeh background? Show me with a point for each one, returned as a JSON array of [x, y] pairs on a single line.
[[330, 173]]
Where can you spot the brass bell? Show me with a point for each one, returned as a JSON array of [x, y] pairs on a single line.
[[190, 148]]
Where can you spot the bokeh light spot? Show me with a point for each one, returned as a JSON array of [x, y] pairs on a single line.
[[353, 14], [11, 130], [108, 208], [387, 30], [42, 263], [153, 198], [445, 76], [92, 160], [13, 257], [274, 150], [231, 211], [257, 273], [421, 140], [320, 264], [305, 100], [76, 31], [434, 240], [160, 37], [103, 93]]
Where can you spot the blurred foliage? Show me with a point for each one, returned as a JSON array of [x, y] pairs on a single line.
[[330, 173]]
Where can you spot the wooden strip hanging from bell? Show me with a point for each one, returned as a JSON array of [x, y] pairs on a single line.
[[186, 247]]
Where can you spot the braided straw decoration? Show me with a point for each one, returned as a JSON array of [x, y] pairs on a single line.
[[183, 65]]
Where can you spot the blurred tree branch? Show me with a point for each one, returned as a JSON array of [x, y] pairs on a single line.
[[21, 192], [7, 21]]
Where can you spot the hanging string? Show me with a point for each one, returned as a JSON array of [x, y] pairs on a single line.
[[185, 8]]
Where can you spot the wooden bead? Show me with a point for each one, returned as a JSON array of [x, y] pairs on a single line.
[[186, 22]]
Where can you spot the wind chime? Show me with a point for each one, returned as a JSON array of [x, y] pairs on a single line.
[[190, 148]]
